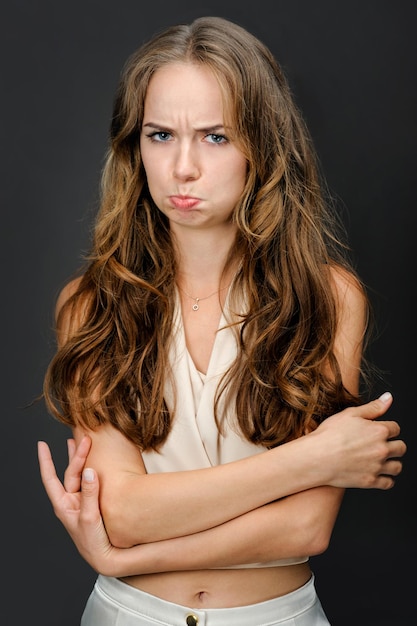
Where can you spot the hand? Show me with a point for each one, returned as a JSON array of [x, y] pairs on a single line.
[[359, 451], [76, 504]]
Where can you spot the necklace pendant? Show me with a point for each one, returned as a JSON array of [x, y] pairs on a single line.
[[195, 306]]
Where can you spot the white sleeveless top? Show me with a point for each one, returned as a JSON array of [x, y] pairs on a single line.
[[194, 441]]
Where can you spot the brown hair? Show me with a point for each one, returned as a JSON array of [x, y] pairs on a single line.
[[116, 355]]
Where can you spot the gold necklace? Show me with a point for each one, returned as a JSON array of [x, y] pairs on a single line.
[[195, 306]]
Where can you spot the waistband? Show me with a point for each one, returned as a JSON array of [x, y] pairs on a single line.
[[144, 604]]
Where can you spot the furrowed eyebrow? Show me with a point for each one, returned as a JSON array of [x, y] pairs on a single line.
[[157, 126], [207, 131], [211, 129]]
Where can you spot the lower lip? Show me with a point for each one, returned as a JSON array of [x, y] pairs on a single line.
[[184, 203]]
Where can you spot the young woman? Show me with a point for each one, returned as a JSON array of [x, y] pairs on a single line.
[[210, 353]]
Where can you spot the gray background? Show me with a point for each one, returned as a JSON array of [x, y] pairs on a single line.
[[352, 68]]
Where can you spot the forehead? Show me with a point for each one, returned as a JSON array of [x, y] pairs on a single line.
[[184, 88]]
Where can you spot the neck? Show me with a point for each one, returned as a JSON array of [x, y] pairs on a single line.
[[201, 259]]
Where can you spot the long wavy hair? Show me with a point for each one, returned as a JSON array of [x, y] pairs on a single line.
[[113, 365]]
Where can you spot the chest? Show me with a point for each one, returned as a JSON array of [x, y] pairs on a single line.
[[200, 329]]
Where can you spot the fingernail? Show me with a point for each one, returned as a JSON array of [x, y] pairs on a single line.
[[88, 475], [386, 397]]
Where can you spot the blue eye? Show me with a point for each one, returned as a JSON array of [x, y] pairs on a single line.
[[213, 138], [160, 136]]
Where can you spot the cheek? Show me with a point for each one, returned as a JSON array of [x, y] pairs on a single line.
[[148, 159], [239, 176], [150, 171]]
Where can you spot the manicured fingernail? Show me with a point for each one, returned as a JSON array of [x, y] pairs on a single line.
[[386, 397], [88, 475]]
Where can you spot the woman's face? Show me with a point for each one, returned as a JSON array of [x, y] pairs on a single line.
[[195, 173]]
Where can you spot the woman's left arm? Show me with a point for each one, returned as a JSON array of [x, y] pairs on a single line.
[[299, 525], [352, 319]]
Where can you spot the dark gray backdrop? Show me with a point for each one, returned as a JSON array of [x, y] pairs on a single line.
[[352, 67]]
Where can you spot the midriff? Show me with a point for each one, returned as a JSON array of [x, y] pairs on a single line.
[[223, 588]]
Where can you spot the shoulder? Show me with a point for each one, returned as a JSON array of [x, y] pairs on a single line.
[[351, 325], [348, 291], [66, 293], [69, 310]]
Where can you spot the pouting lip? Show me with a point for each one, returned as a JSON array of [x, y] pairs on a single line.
[[184, 196], [184, 202]]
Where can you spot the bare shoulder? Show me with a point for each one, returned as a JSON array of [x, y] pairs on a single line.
[[68, 318], [352, 322], [66, 293], [348, 291]]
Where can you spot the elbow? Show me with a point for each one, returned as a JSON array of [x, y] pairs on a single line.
[[314, 533], [116, 528], [318, 520], [117, 519], [319, 542], [118, 536], [320, 536]]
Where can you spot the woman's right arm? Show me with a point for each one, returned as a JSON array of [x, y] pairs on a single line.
[[237, 541], [142, 508], [289, 527], [349, 449]]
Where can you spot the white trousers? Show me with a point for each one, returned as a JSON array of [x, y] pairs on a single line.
[[114, 603]]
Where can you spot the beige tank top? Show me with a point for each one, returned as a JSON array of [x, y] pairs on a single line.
[[194, 441]]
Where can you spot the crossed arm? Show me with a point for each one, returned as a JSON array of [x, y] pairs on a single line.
[[291, 526], [278, 504]]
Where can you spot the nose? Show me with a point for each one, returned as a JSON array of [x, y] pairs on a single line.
[[186, 164]]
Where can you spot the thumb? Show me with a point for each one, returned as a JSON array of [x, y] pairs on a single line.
[[89, 490], [375, 408], [90, 537]]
